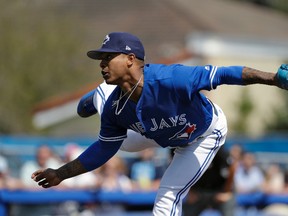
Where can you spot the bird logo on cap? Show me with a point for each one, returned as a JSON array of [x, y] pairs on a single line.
[[106, 39]]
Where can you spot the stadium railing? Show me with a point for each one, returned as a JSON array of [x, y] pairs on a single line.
[[8, 197]]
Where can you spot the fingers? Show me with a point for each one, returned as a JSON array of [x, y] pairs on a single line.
[[40, 177], [44, 183], [36, 174], [45, 178], [37, 177]]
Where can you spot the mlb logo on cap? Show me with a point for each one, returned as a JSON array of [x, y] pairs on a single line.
[[119, 42]]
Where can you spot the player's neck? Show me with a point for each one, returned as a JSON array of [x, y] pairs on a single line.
[[137, 94], [132, 89], [132, 94]]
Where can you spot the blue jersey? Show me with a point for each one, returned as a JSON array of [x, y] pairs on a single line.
[[171, 110]]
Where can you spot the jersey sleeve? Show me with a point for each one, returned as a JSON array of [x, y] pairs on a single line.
[[225, 75], [98, 153], [206, 77], [111, 137]]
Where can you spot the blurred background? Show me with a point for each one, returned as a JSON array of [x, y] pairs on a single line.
[[45, 71]]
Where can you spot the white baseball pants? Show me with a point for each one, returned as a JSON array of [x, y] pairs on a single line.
[[187, 166]]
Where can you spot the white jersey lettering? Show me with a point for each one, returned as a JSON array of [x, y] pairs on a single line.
[[174, 122]]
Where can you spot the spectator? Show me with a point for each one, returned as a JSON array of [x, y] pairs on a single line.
[[249, 179], [144, 172], [213, 197], [274, 182], [235, 155], [7, 181], [90, 180], [3, 172], [286, 181], [114, 177], [44, 158]]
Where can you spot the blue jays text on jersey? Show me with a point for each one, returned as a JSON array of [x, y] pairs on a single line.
[[171, 110]]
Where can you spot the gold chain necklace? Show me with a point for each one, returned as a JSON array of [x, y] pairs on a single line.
[[117, 112]]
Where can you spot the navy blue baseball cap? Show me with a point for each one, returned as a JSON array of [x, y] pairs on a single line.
[[119, 42]]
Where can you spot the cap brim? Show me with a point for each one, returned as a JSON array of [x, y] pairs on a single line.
[[96, 54]]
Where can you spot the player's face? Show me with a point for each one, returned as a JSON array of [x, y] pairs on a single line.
[[113, 67]]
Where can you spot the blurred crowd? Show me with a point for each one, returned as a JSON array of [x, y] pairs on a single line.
[[234, 171], [139, 173]]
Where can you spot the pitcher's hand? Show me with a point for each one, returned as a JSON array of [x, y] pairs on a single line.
[[46, 178]]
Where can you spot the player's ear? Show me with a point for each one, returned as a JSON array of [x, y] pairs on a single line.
[[130, 59]]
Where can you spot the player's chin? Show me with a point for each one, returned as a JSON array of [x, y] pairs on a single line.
[[109, 81]]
